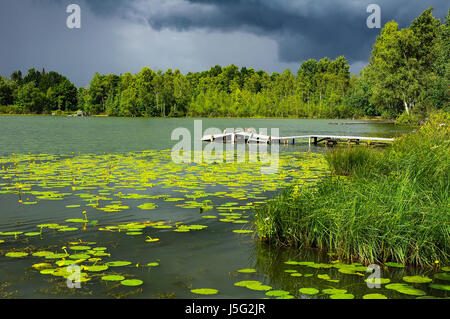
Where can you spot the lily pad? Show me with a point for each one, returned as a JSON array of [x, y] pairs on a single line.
[[378, 281], [132, 282], [32, 234], [42, 253], [277, 293], [97, 268], [342, 296], [417, 279], [334, 291], [80, 247], [153, 264], [247, 271], [118, 263], [309, 291], [442, 276], [374, 296], [440, 287], [113, 278], [405, 289], [205, 291], [16, 254]]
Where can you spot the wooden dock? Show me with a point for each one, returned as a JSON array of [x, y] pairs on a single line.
[[252, 137]]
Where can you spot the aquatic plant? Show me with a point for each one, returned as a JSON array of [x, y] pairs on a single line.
[[391, 207]]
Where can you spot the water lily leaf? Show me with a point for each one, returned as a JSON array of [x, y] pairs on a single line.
[[378, 281], [32, 234], [79, 256], [153, 264], [205, 291], [16, 254], [80, 247], [113, 278], [417, 279], [440, 287], [309, 291], [68, 229], [243, 231], [342, 296], [76, 221], [246, 283], [374, 296], [132, 282], [97, 268], [333, 291], [247, 271], [442, 276], [296, 274], [277, 293], [42, 266], [42, 253], [118, 263], [258, 287], [405, 289], [447, 268]]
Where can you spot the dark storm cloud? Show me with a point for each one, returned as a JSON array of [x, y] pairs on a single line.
[[118, 36], [303, 28]]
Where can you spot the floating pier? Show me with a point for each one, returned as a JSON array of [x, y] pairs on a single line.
[[250, 136]]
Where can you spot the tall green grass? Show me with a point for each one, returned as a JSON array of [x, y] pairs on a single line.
[[375, 206]]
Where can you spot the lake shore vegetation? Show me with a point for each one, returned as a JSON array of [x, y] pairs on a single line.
[[407, 78]]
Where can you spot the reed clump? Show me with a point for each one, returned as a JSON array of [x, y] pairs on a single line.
[[375, 206]]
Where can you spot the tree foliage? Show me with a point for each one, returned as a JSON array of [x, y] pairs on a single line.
[[408, 72]]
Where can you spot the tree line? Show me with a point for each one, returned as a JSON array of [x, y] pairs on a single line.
[[408, 73]]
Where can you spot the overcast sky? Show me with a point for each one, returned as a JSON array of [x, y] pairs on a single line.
[[119, 36]]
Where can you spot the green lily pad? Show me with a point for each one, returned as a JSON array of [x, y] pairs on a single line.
[[296, 274], [417, 279], [76, 221], [42, 253], [246, 283], [80, 247], [405, 289], [447, 268], [16, 254], [378, 281], [153, 264], [440, 287], [247, 271], [334, 291], [309, 291], [374, 296], [132, 282], [342, 296], [277, 293], [113, 278], [259, 287], [442, 276], [243, 231], [118, 263], [80, 256], [68, 229], [97, 268], [205, 291], [32, 234]]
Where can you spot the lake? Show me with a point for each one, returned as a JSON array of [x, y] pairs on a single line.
[[104, 194]]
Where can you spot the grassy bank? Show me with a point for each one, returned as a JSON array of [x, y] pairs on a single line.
[[376, 205]]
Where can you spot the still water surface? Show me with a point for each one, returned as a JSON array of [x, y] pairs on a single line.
[[84, 152]]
